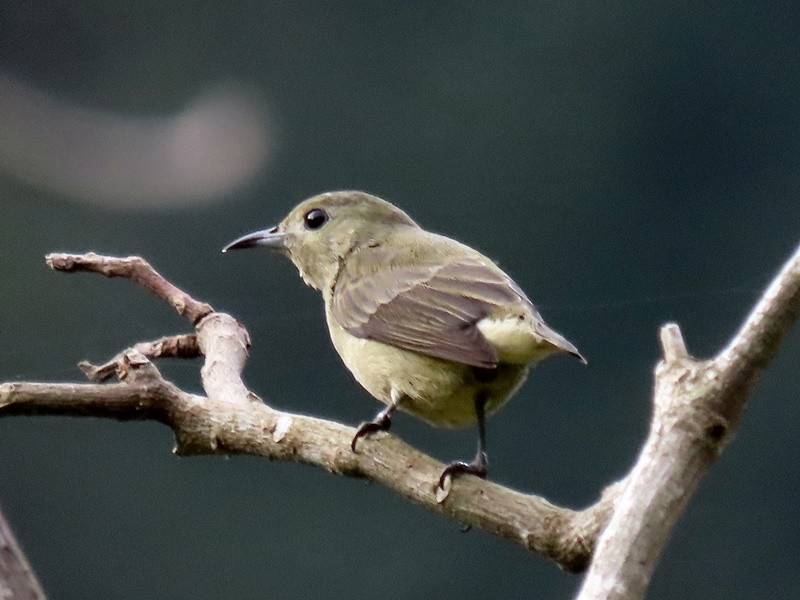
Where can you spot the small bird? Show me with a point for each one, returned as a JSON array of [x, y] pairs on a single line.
[[425, 324]]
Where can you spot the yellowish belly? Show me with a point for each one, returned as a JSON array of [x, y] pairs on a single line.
[[437, 391]]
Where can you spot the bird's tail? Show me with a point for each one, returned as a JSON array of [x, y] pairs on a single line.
[[558, 341]]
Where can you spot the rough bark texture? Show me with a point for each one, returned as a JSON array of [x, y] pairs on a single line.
[[697, 407]]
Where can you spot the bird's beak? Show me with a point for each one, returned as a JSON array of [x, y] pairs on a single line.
[[267, 238]]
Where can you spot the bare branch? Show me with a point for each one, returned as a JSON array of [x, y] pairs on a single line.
[[758, 340], [136, 269], [672, 343], [224, 342], [697, 406], [17, 580], [228, 425], [233, 420], [172, 346]]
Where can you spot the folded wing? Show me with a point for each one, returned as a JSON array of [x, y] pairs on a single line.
[[431, 308]]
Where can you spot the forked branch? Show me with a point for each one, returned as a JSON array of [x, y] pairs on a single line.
[[697, 406]]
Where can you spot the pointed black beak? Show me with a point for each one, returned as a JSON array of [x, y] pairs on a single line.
[[268, 238]]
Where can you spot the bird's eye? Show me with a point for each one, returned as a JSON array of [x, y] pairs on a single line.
[[315, 218]]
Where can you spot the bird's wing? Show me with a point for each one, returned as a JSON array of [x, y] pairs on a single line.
[[428, 308]]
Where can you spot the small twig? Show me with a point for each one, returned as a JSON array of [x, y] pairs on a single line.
[[172, 346], [136, 269], [672, 343]]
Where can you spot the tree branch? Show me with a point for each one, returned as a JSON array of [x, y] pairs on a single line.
[[697, 406], [136, 269], [176, 346], [237, 422], [233, 420], [17, 580]]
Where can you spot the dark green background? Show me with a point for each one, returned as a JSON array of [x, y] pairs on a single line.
[[628, 163]]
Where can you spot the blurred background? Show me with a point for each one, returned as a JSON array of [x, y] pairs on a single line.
[[629, 163]]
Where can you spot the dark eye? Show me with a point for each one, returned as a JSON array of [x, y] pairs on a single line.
[[316, 218]]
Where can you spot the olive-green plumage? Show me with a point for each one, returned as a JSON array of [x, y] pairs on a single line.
[[423, 322]]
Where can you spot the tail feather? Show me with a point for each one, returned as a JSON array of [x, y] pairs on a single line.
[[559, 341]]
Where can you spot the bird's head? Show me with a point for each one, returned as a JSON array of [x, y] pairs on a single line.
[[321, 232]]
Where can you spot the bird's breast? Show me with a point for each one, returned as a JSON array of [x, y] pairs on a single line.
[[438, 391]]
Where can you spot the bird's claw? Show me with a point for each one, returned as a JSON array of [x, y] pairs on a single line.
[[382, 423], [477, 467]]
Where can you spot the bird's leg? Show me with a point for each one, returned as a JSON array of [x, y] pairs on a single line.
[[477, 466], [381, 422]]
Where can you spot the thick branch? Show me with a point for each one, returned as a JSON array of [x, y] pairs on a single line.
[[697, 407], [245, 425], [114, 401]]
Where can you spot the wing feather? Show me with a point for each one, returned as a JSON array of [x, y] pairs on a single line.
[[431, 308]]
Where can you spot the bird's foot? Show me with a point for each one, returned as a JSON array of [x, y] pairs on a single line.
[[380, 423], [476, 466]]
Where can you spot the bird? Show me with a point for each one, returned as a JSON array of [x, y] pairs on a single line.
[[427, 325]]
